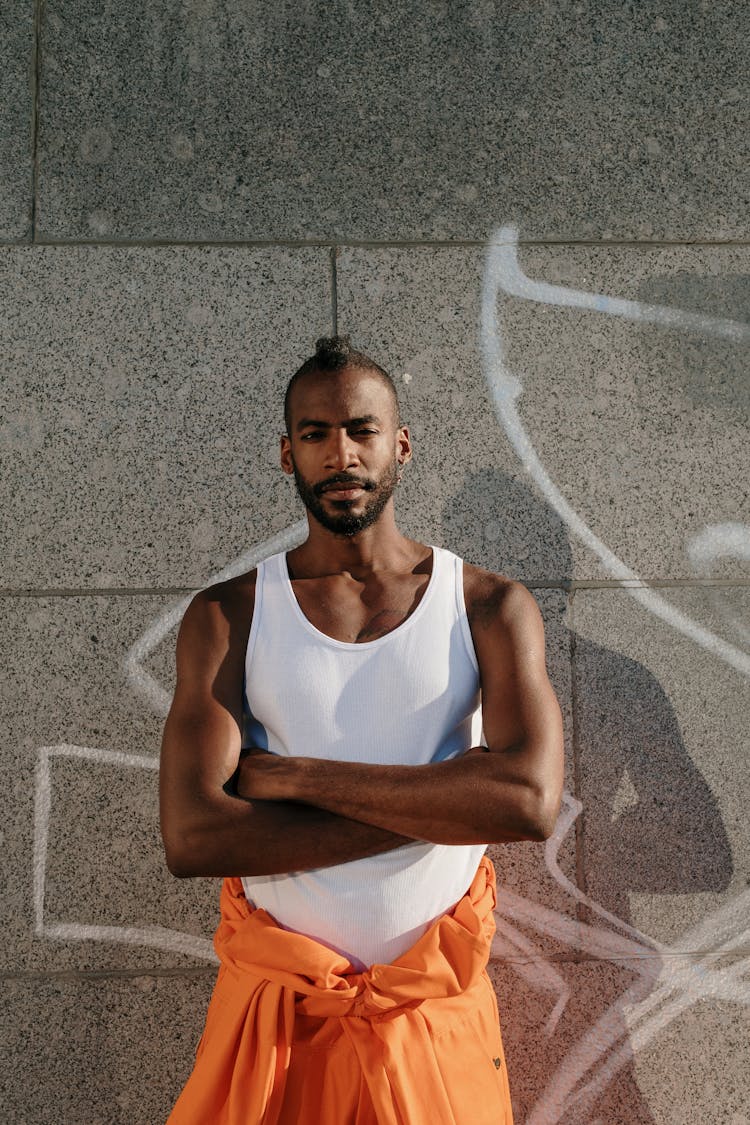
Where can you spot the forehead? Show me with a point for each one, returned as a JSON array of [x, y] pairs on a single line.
[[335, 396]]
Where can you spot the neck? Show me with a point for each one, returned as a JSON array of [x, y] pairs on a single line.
[[379, 547]]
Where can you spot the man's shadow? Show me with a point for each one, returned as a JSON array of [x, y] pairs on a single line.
[[649, 824]]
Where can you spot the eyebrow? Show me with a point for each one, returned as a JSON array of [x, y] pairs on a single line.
[[365, 420]]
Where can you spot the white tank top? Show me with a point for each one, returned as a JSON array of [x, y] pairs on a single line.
[[410, 697]]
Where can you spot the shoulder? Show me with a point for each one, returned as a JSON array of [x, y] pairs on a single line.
[[495, 600], [218, 618], [224, 601], [506, 625]]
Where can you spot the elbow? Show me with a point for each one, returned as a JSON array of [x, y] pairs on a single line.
[[189, 838], [180, 867], [539, 813], [180, 856], [541, 828]]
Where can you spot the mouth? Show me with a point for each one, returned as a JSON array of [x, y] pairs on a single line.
[[342, 489], [339, 492]]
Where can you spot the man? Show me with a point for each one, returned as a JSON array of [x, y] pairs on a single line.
[[350, 821]]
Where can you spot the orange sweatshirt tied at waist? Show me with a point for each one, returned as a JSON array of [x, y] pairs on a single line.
[[293, 1036]]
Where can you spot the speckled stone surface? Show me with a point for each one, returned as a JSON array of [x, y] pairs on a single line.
[[99, 1051], [82, 825], [699, 1061], [662, 734], [632, 1043], [142, 408], [617, 446], [223, 120], [16, 119]]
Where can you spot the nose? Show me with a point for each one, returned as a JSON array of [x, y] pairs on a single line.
[[341, 452]]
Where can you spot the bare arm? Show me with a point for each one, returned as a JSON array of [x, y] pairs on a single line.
[[509, 791], [205, 830]]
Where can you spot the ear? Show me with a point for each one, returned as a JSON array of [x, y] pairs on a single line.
[[287, 463], [403, 445]]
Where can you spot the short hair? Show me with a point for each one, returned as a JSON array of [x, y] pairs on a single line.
[[333, 353]]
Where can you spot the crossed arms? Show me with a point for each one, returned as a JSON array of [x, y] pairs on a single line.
[[290, 814]]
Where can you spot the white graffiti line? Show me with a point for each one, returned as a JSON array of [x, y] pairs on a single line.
[[598, 1051], [570, 810], [538, 974], [648, 1000], [637, 1040], [586, 1054], [501, 270], [153, 937], [517, 284], [147, 937], [717, 935], [720, 541], [672, 977], [670, 982], [697, 983], [595, 941], [594, 1050], [649, 1005], [138, 676]]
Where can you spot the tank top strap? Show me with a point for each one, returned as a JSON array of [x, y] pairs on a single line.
[[260, 585], [451, 579]]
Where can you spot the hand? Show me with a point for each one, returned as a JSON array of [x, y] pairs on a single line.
[[263, 776]]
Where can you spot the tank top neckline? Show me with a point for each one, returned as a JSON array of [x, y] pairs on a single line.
[[360, 646]]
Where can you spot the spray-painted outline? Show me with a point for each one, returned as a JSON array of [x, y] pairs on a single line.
[[152, 937], [720, 541], [155, 937], [684, 977], [503, 273], [137, 675]]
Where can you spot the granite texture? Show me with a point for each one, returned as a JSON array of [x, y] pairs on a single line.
[[638, 1042], [70, 687], [17, 54], [221, 120], [142, 408], [98, 1051], [661, 725], [699, 1062], [641, 428]]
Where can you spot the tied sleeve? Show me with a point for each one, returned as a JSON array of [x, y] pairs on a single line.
[[294, 1036]]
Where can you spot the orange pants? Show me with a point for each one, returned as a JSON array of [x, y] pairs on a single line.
[[294, 1036]]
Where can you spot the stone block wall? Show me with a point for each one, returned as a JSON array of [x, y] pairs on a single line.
[[535, 215]]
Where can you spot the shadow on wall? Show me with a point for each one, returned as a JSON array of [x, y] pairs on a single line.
[[650, 824]]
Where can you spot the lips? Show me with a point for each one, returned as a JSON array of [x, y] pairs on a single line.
[[343, 489], [350, 492]]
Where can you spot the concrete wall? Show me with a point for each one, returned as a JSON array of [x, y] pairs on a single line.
[[536, 215]]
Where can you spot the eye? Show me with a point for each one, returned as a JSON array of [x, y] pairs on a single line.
[[311, 435]]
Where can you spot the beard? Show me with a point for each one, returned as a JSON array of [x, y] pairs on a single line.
[[343, 521]]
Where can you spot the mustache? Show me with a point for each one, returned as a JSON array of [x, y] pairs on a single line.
[[342, 480]]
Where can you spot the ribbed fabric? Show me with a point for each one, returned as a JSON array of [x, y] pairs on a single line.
[[410, 697]]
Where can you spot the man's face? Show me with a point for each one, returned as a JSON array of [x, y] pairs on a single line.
[[344, 448]]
